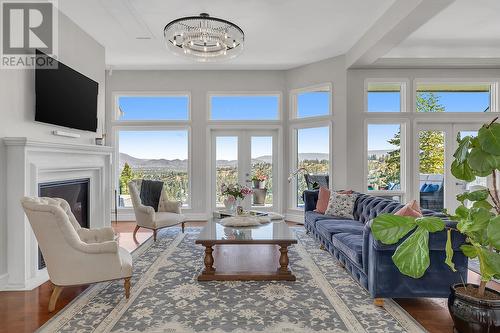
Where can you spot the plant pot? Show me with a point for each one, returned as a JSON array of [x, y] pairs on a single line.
[[471, 314], [259, 184], [259, 196]]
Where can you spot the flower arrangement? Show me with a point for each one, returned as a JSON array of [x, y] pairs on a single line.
[[260, 173], [235, 191], [259, 178]]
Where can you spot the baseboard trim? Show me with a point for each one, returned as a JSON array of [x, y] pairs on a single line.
[[126, 216], [4, 278], [41, 278]]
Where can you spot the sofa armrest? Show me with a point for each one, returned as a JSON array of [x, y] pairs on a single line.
[[310, 198], [437, 241]]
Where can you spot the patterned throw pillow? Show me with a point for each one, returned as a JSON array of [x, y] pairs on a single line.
[[341, 205]]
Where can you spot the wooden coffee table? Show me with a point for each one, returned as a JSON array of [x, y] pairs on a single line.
[[277, 234]]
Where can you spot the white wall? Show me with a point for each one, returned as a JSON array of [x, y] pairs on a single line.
[[199, 84], [17, 100]]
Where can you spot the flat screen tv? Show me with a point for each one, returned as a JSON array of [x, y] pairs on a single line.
[[65, 97]]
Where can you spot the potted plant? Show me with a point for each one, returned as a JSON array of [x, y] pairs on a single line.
[[474, 308]]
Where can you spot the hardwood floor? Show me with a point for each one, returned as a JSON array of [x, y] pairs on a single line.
[[25, 311]]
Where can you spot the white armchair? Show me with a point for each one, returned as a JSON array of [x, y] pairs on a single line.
[[168, 214], [75, 255]]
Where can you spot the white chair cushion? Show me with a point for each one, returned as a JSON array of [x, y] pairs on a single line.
[[163, 219]]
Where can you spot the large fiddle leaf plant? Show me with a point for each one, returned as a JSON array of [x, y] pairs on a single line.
[[477, 216]]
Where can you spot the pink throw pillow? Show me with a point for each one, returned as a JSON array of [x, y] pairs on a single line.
[[410, 209], [323, 198]]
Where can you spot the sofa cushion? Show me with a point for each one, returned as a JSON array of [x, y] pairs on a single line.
[[351, 245], [311, 217], [329, 227]]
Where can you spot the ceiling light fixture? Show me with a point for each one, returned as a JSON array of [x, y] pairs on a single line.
[[204, 38]]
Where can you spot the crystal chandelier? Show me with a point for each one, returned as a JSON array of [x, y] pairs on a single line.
[[204, 38]]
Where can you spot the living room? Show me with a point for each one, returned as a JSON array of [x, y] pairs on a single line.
[[297, 166]]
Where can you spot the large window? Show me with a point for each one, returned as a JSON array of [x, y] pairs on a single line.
[[453, 97], [311, 102], [384, 97], [152, 107], [384, 157], [245, 107], [155, 155], [313, 155]]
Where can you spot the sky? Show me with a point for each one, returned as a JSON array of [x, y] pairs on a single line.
[[174, 144], [244, 107], [155, 144], [154, 108]]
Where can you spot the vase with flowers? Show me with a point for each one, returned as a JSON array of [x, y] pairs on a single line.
[[234, 194]]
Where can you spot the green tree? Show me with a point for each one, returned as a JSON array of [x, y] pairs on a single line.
[[126, 176], [431, 144]]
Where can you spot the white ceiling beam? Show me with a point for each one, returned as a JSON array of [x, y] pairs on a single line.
[[394, 26]]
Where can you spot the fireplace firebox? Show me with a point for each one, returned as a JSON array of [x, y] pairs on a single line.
[[76, 193]]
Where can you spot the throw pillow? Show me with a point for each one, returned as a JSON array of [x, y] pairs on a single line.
[[410, 209], [341, 205], [423, 187], [323, 198]]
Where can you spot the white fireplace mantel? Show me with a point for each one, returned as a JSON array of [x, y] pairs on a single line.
[[31, 162]]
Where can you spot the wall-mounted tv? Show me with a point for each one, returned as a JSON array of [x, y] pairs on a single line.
[[65, 97]]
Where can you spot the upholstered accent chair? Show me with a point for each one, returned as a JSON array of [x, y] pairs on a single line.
[[75, 255], [168, 212]]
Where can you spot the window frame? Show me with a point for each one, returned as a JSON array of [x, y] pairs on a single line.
[[294, 104], [211, 94], [493, 83], [158, 128], [293, 149], [403, 156], [115, 119], [403, 83]]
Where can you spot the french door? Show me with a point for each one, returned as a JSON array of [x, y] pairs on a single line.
[[238, 156], [435, 187]]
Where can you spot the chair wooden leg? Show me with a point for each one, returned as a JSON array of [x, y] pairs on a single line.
[[135, 233], [378, 301], [182, 227], [53, 298], [126, 285], [154, 234]]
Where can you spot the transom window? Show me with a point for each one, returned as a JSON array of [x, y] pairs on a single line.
[[454, 97], [148, 107], [311, 102], [384, 97], [245, 107]]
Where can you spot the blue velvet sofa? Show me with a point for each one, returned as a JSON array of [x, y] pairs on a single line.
[[370, 262]]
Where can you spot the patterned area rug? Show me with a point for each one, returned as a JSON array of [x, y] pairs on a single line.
[[166, 297]]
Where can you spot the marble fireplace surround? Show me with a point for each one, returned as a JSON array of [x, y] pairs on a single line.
[[31, 162]]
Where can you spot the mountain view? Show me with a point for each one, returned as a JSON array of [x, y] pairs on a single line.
[[178, 165]]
